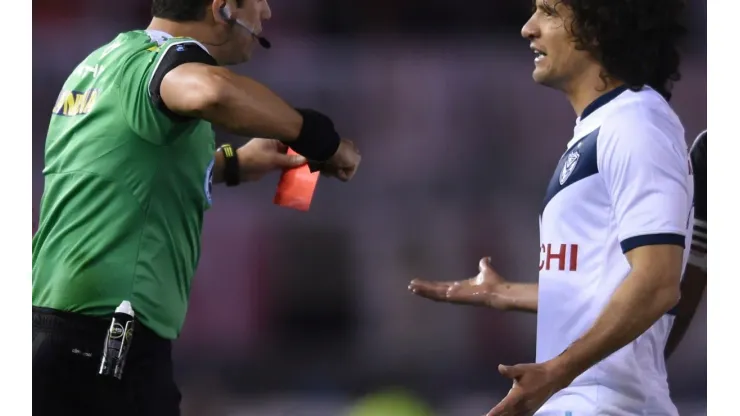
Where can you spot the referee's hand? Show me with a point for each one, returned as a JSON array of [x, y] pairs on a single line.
[[261, 156], [343, 165], [481, 290]]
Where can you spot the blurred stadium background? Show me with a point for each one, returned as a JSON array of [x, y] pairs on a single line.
[[308, 314]]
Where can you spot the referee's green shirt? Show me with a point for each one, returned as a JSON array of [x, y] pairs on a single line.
[[126, 187]]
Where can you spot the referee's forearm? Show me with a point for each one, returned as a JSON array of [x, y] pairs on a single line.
[[634, 307], [248, 108]]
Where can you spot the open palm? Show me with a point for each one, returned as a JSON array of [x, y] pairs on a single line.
[[478, 291]]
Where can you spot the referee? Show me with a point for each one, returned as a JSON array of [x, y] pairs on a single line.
[[129, 162]]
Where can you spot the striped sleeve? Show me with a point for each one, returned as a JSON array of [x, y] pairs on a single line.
[[698, 153], [698, 254]]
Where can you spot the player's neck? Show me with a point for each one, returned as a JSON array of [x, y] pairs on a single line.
[[194, 30], [587, 90]]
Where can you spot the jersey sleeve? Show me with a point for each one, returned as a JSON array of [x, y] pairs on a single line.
[[698, 153], [140, 81], [647, 176]]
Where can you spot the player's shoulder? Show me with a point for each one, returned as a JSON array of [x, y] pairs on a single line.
[[642, 109], [642, 117], [698, 153], [699, 148]]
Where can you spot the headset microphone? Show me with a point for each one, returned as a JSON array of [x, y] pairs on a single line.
[[226, 14], [262, 41]]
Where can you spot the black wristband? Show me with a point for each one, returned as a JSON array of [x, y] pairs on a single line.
[[232, 176], [318, 141]]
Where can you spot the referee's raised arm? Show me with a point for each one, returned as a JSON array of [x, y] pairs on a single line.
[[237, 103], [245, 107]]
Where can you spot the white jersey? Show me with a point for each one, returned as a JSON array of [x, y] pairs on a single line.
[[623, 182]]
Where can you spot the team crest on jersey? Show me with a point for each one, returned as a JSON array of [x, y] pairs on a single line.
[[570, 164], [208, 183]]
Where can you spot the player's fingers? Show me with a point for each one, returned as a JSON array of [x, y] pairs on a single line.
[[512, 371], [484, 264], [507, 406], [429, 290]]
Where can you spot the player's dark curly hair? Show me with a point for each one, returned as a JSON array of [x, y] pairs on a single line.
[[636, 41], [182, 10]]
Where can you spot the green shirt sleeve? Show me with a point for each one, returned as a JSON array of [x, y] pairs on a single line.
[[139, 81]]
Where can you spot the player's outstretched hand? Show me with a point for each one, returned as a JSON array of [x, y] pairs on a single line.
[[261, 156], [533, 385], [481, 290], [343, 165]]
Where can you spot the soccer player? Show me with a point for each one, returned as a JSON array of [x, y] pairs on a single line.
[[695, 278], [129, 162], [615, 221]]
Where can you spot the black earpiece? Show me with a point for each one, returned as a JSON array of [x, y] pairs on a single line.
[[226, 12]]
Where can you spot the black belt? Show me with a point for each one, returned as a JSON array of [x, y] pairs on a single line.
[[92, 327]]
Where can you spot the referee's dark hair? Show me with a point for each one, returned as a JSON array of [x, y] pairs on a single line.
[[182, 10], [636, 41]]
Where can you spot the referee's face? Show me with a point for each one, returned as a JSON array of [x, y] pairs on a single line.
[[557, 62], [252, 13]]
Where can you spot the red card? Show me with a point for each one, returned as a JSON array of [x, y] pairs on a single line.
[[296, 187]]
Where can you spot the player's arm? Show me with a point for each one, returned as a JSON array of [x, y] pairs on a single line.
[[692, 290], [695, 278], [520, 297], [488, 289], [646, 173], [649, 291]]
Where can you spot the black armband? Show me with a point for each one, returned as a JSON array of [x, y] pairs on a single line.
[[232, 176], [173, 56], [318, 141]]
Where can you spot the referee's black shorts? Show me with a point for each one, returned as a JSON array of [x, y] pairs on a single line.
[[67, 350]]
